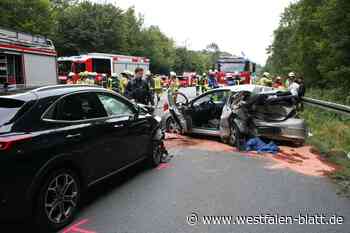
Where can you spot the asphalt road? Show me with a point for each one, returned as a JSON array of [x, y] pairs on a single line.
[[209, 179], [210, 183]]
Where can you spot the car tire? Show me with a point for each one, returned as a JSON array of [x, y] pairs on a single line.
[[156, 154], [57, 201], [235, 138], [171, 126]]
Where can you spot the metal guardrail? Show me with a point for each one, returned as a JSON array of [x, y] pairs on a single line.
[[329, 106]]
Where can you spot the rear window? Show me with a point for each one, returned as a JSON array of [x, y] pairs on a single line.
[[9, 109]]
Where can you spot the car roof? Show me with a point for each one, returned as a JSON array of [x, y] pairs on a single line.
[[248, 87], [28, 94]]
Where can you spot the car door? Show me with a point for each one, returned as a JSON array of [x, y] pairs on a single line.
[[207, 106], [77, 119], [129, 132]]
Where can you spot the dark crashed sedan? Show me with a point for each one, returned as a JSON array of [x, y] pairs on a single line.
[[57, 141]]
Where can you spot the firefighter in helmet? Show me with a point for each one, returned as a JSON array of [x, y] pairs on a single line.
[[174, 83], [123, 81], [157, 86], [266, 80], [149, 80], [203, 83], [290, 79]]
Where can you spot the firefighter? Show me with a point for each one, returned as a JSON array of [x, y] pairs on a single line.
[[138, 89], [266, 80], [290, 79], [174, 83], [196, 82], [203, 83], [278, 83], [123, 81], [294, 87], [149, 80], [212, 82], [70, 78], [113, 83], [157, 87]]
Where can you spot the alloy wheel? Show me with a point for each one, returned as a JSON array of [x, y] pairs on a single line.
[[172, 127], [61, 198]]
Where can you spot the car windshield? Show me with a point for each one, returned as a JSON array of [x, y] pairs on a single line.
[[9, 109], [232, 67], [79, 67], [64, 67]]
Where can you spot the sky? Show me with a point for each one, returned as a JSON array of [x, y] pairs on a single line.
[[236, 26]]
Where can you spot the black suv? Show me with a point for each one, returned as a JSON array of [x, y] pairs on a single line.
[[57, 141]]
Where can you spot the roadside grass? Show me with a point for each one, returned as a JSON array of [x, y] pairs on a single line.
[[331, 138]]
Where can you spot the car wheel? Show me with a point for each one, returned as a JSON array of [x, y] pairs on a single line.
[[156, 156], [58, 200], [235, 138], [172, 127]]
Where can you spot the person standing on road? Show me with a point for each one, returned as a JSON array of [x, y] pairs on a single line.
[[174, 83], [212, 80], [124, 79], [196, 82], [138, 89], [265, 80], [301, 93], [150, 83], [157, 87], [294, 87], [278, 83], [290, 79], [203, 83]]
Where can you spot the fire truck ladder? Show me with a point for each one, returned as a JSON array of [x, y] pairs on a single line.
[[36, 41]]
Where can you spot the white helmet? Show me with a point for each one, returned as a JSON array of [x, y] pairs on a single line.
[[114, 75], [148, 73], [266, 74], [172, 73], [236, 73], [291, 75]]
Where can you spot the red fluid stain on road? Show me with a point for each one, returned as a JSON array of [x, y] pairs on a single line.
[[77, 228], [300, 160], [180, 141], [163, 166], [303, 161]]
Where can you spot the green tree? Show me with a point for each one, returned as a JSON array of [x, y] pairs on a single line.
[[33, 16]]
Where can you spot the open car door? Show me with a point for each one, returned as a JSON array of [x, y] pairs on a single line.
[[177, 103]]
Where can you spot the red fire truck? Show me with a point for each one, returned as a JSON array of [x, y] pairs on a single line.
[[99, 64], [26, 60], [229, 66]]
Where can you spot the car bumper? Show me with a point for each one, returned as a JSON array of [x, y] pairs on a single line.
[[14, 191], [290, 130]]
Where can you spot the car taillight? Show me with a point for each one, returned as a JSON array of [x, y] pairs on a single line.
[[7, 142], [165, 107]]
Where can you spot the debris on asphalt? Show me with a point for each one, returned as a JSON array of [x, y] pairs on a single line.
[[258, 145], [301, 159]]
